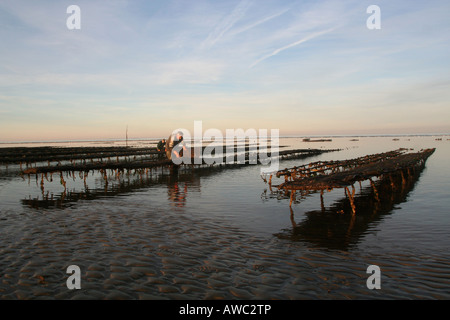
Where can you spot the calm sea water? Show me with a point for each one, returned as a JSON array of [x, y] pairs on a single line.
[[222, 233]]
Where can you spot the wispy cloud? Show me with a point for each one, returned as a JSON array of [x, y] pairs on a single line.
[[296, 43], [226, 24], [133, 60], [259, 22]]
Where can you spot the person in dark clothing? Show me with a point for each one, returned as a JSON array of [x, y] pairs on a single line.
[[161, 147]]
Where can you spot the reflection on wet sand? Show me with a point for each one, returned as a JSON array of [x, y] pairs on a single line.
[[338, 228], [177, 194], [113, 184], [178, 185]]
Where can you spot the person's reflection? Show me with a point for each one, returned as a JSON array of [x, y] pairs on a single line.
[[177, 192]]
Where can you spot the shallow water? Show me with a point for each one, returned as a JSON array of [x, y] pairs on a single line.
[[221, 234]]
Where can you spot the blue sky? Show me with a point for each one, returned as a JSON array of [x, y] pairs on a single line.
[[304, 67]]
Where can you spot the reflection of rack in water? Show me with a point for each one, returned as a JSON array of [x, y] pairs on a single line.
[[338, 228], [111, 185], [328, 175]]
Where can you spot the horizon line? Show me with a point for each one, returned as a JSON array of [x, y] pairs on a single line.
[[281, 136]]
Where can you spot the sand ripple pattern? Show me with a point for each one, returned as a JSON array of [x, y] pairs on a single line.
[[131, 251]]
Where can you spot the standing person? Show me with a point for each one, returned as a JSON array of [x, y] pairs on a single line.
[[161, 147], [172, 142]]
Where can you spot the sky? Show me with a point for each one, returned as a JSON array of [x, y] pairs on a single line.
[[303, 67]]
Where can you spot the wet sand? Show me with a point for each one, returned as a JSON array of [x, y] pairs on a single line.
[[143, 254], [130, 246]]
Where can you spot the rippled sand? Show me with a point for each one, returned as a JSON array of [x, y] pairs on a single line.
[[131, 251]]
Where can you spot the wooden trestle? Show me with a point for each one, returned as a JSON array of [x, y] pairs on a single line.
[[327, 175]]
